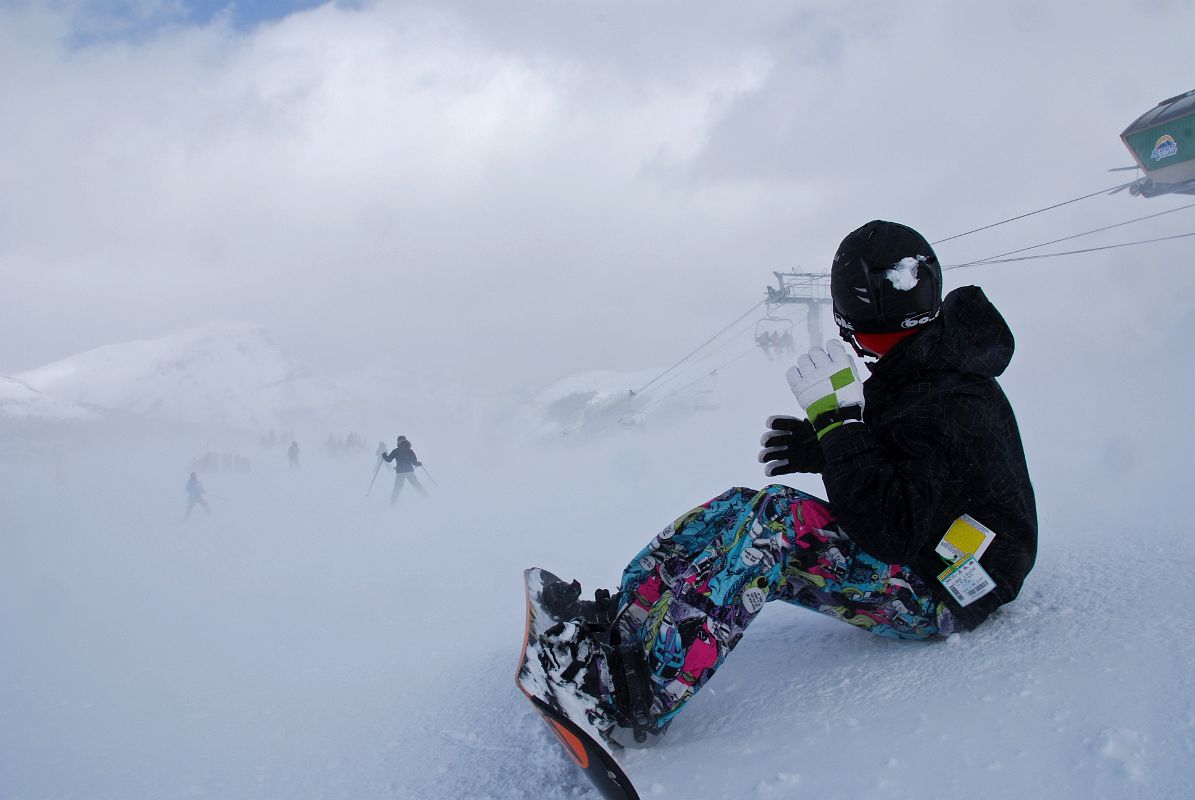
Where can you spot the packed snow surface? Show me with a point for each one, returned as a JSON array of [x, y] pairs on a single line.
[[308, 641]]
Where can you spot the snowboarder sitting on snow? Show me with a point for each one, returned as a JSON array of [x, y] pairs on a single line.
[[928, 445], [195, 496], [404, 468]]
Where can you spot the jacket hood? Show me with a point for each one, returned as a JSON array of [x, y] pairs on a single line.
[[968, 336]]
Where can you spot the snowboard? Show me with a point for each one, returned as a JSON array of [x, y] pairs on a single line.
[[562, 707]]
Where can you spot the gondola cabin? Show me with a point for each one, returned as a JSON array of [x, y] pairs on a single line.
[[1162, 141]]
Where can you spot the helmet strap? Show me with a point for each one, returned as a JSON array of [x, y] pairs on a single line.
[[849, 338]]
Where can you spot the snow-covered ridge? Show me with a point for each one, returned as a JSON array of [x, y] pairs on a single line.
[[20, 401], [583, 399], [229, 374], [597, 401], [232, 375]]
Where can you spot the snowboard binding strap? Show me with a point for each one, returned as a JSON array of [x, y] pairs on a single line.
[[632, 688]]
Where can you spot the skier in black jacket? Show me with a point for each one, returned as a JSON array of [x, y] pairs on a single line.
[[405, 462], [930, 526]]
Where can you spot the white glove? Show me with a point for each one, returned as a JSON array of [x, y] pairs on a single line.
[[827, 385]]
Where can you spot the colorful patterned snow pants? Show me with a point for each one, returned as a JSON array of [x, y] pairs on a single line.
[[689, 595]]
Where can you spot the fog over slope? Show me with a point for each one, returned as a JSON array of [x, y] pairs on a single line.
[[484, 227], [309, 640]]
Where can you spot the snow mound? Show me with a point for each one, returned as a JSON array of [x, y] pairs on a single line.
[[228, 374], [19, 401], [598, 401]]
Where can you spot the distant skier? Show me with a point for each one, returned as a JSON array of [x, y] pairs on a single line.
[[195, 497], [381, 451], [930, 526], [292, 455], [404, 468]]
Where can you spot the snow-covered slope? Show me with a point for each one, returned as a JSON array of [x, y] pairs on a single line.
[[568, 405], [20, 401], [308, 642], [227, 374], [233, 376], [594, 402]]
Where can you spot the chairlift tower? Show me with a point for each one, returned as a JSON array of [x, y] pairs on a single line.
[[809, 289]]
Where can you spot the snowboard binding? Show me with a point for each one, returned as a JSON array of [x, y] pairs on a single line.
[[560, 672], [562, 601], [618, 676]]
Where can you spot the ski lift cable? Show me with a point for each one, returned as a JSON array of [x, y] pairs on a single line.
[[1068, 252], [1075, 236], [1031, 213], [730, 341], [698, 363], [739, 357], [691, 384], [700, 347], [991, 260], [611, 411]]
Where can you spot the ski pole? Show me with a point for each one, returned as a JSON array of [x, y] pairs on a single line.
[[429, 475], [376, 470]]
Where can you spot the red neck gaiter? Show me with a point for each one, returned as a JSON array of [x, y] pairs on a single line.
[[881, 343]]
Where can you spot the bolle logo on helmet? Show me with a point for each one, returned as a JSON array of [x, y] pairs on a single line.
[[843, 322], [913, 322]]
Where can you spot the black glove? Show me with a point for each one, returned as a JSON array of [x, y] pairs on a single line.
[[790, 445]]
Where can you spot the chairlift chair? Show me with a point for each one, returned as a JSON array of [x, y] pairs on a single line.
[[768, 326], [631, 418]]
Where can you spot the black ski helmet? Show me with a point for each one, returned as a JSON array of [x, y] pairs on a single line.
[[885, 279]]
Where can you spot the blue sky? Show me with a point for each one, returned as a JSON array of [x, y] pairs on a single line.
[[137, 20], [247, 13]]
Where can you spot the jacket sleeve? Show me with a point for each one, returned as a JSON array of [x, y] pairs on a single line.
[[388, 457], [894, 496]]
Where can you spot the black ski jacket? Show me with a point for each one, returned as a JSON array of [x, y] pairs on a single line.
[[403, 457], [938, 440]]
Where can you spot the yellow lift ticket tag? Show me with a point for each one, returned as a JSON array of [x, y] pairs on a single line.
[[967, 537], [967, 581], [963, 544]]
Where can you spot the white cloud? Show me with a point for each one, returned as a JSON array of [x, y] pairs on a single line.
[[593, 185]]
